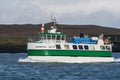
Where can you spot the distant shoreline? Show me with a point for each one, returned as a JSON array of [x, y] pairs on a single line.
[[14, 38]]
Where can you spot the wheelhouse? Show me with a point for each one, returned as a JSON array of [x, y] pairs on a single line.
[[52, 37]]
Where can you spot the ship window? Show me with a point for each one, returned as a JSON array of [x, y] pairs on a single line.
[[53, 37], [86, 47], [66, 46], [58, 47], [62, 37], [58, 37], [102, 47], [48, 37], [91, 47], [80, 47], [74, 46], [108, 47], [45, 37], [42, 37]]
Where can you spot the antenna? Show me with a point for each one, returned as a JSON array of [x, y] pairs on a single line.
[[51, 17], [42, 25], [53, 20]]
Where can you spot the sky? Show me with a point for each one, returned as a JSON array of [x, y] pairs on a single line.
[[80, 12]]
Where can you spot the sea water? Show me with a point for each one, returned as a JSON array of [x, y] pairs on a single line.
[[12, 69]]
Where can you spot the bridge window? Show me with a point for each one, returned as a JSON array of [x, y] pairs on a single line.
[[48, 37], [45, 37], [63, 38], [58, 37], [53, 37], [74, 46]]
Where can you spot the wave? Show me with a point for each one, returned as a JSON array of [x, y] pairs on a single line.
[[117, 60], [27, 60]]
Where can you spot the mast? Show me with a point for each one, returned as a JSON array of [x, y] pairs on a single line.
[[53, 27], [53, 19], [42, 29]]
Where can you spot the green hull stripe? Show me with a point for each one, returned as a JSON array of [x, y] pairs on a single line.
[[69, 53]]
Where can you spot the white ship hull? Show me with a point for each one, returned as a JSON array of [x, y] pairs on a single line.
[[66, 59]]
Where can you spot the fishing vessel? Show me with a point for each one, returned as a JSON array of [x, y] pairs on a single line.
[[53, 47]]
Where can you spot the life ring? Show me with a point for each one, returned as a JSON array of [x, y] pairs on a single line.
[[106, 41]]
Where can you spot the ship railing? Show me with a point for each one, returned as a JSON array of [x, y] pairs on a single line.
[[52, 41]]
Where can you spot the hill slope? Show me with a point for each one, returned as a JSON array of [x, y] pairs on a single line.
[[18, 34]]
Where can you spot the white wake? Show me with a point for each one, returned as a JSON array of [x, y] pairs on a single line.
[[117, 60], [27, 60]]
